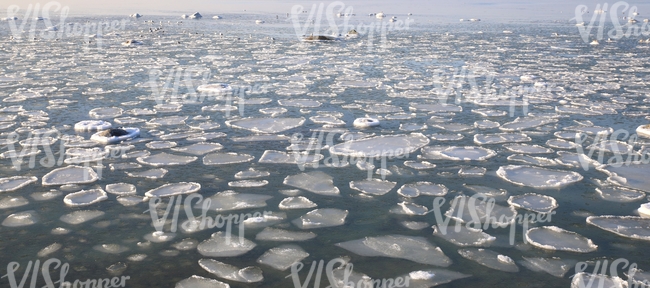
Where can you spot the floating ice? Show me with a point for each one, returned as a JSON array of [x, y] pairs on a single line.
[[222, 245], [537, 177], [70, 175], [534, 202], [12, 202], [416, 249], [432, 277], [92, 125], [374, 186], [49, 250], [282, 257], [274, 234], [316, 182], [422, 188], [626, 226], [474, 210], [632, 176], [555, 238], [490, 259], [251, 173], [248, 274], [160, 144], [155, 173], [554, 266], [165, 159], [16, 182], [20, 219], [467, 153], [200, 282], [85, 197], [266, 125], [226, 158], [382, 146], [173, 189], [199, 148], [522, 123], [82, 216], [121, 189], [419, 165], [527, 149], [619, 194], [463, 236], [298, 202], [499, 138], [110, 248], [248, 183], [583, 279], [169, 120], [320, 218], [408, 208], [160, 236], [105, 112], [231, 200]]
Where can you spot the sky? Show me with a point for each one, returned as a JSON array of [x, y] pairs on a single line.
[[484, 9]]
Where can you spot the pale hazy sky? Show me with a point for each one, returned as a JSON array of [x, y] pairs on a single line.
[[485, 9]]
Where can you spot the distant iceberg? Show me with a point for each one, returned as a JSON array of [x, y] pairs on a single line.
[[136, 15], [196, 15]]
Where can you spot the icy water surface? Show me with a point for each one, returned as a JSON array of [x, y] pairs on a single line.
[[464, 110]]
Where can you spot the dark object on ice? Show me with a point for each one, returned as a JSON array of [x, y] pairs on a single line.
[[320, 38], [115, 132]]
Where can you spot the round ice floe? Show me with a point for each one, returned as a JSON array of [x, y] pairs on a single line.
[[121, 188], [106, 112], [274, 234], [251, 173], [266, 125], [20, 219], [555, 238], [199, 148], [320, 218], [13, 202], [130, 200], [419, 165], [619, 194], [49, 250], [561, 144], [316, 182], [473, 210], [433, 277], [160, 144], [527, 149], [643, 130], [490, 259], [422, 188], [298, 202], [226, 158], [374, 186], [85, 197], [583, 279], [156, 173], [534, 202], [215, 89], [200, 282], [365, 122], [231, 200], [554, 266], [248, 183], [111, 136], [627, 226], [537, 177], [633, 176], [16, 182], [416, 249], [160, 236], [282, 257], [468, 153], [70, 175], [110, 248], [170, 120], [382, 146], [408, 208], [248, 274], [221, 244], [173, 189], [499, 138], [462, 235], [92, 125], [78, 217], [303, 103], [166, 159]]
